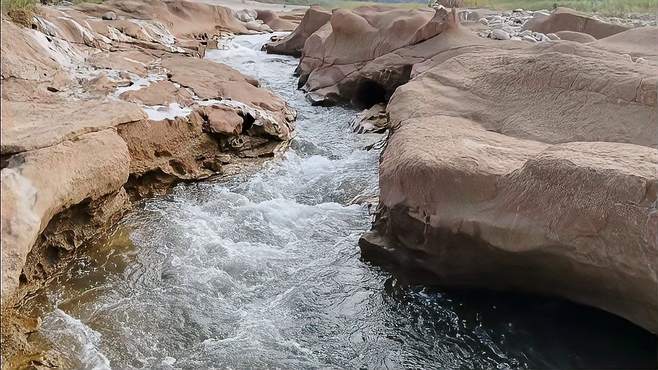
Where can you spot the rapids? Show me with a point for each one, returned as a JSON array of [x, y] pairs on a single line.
[[262, 270]]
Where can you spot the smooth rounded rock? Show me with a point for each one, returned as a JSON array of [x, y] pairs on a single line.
[[109, 16], [500, 35]]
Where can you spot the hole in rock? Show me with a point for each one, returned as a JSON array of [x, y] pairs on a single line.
[[4, 161], [22, 279], [368, 93], [177, 166], [247, 122], [52, 254]]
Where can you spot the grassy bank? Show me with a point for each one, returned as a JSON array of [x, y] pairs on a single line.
[[20, 11]]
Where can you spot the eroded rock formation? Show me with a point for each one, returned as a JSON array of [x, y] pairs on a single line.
[[98, 110], [565, 19], [363, 55], [277, 23], [530, 169], [510, 165], [293, 44]]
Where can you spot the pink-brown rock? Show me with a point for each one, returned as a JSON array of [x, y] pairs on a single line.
[[528, 168], [293, 44], [565, 19]]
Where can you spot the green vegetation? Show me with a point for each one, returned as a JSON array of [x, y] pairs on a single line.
[[20, 11]]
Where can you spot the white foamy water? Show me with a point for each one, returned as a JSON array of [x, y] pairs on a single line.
[[80, 338], [262, 270], [162, 112], [139, 83]]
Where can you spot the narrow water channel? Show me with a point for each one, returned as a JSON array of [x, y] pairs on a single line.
[[263, 271]]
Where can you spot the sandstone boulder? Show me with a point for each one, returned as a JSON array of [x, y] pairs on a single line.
[[109, 16], [276, 23], [641, 42], [373, 119], [529, 169], [40, 183], [565, 19], [222, 120], [293, 44], [133, 61], [182, 18], [364, 54], [246, 15], [214, 81], [173, 150], [594, 95], [498, 34], [101, 85], [572, 220], [257, 26], [27, 59], [28, 125]]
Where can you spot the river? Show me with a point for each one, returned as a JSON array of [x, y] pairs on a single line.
[[263, 270]]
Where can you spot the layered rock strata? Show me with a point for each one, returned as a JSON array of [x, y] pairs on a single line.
[[100, 110]]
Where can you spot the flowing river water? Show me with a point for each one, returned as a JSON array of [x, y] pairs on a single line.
[[263, 270]]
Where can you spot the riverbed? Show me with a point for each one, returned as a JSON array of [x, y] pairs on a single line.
[[263, 270]]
